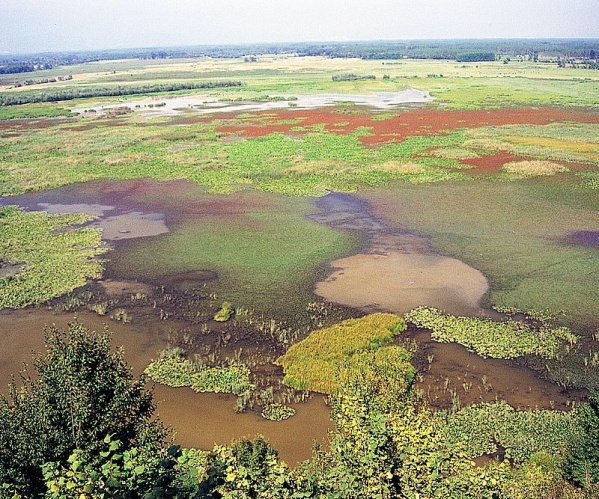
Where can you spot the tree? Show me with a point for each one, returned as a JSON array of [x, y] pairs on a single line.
[[81, 393], [582, 463]]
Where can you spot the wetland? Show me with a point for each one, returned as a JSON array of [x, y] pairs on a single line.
[[332, 202]]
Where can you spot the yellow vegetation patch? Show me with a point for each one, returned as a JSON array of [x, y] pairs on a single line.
[[399, 167], [316, 167], [313, 363], [530, 168], [453, 153], [488, 144]]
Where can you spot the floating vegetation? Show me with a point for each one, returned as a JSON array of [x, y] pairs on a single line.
[[277, 412], [225, 313], [313, 363], [50, 256], [176, 371], [488, 338], [482, 428]]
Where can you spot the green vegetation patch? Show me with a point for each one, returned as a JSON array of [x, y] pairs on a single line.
[[306, 165], [277, 412], [265, 251], [176, 371], [515, 233], [225, 312], [313, 363], [571, 142], [482, 428], [44, 256], [488, 338]]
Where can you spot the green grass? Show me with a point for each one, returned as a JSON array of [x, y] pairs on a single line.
[[313, 363], [56, 258], [267, 256], [305, 165], [33, 111]]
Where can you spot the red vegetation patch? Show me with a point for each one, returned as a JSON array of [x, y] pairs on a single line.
[[490, 164], [407, 123]]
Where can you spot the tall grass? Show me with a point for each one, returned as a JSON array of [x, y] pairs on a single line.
[[313, 363]]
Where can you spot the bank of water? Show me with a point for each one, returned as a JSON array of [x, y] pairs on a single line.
[[196, 419], [394, 271]]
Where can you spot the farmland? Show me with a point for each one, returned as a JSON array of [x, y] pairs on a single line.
[[250, 184]]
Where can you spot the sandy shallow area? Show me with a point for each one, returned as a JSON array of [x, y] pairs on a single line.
[[398, 282], [126, 225], [397, 271]]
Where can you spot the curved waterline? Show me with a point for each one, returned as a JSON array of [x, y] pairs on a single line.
[[397, 271]]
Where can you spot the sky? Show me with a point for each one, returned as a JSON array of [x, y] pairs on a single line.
[[66, 25]]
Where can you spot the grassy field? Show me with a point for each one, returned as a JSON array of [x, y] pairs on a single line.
[[461, 85]]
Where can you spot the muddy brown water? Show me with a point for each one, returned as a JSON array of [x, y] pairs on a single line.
[[397, 271], [196, 419]]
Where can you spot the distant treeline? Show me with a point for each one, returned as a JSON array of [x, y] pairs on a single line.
[[353, 77], [418, 49], [10, 99]]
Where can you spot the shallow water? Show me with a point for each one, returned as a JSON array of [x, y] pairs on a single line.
[[197, 419], [397, 271], [202, 105]]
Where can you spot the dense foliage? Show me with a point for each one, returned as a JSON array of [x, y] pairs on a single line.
[[489, 338], [312, 363], [64, 94], [47, 255], [419, 49], [80, 393], [582, 464], [485, 428]]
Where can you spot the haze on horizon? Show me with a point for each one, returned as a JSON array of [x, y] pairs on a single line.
[[68, 25]]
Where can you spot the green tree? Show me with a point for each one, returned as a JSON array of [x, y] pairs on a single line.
[[80, 393], [582, 463]]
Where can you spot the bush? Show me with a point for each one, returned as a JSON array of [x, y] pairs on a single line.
[[582, 464]]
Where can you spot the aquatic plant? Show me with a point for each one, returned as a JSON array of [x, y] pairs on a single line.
[[49, 255], [490, 338], [225, 312], [177, 371], [277, 412], [313, 363], [481, 428]]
